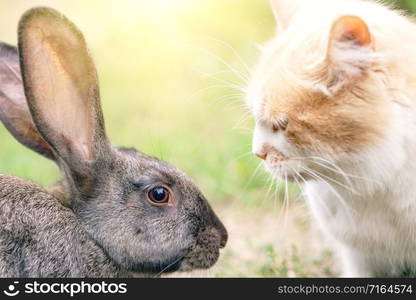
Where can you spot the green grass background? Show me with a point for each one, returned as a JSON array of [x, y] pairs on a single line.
[[170, 74]]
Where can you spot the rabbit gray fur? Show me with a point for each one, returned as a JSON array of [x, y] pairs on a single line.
[[98, 221]]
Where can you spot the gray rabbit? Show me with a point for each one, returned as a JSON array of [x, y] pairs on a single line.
[[117, 212]]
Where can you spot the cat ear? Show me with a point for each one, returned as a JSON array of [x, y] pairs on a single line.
[[283, 10], [350, 52]]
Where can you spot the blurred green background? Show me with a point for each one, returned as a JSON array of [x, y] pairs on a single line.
[[172, 76]]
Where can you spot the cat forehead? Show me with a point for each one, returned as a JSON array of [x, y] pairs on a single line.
[[294, 102], [277, 96]]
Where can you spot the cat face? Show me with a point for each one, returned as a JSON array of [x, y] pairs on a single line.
[[319, 93]]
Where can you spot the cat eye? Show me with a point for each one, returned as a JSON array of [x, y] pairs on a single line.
[[160, 196], [281, 124]]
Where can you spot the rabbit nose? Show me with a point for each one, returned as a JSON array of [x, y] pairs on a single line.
[[219, 231], [215, 226], [223, 236], [260, 155]]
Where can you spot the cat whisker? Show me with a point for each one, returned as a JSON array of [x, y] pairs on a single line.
[[339, 170], [233, 102], [277, 185], [344, 173], [220, 73], [237, 106], [190, 97], [256, 170], [298, 175], [242, 155], [234, 96], [334, 191], [242, 119], [356, 176], [318, 197], [349, 188], [242, 129], [243, 63], [226, 83], [222, 61], [286, 203], [357, 179], [335, 168], [272, 183]]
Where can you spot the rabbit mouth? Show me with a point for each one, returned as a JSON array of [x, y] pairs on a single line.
[[203, 255], [199, 258], [168, 266]]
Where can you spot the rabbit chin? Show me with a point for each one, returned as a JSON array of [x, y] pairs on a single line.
[[200, 257], [204, 254], [157, 268]]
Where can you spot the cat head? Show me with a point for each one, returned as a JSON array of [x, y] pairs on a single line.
[[321, 92]]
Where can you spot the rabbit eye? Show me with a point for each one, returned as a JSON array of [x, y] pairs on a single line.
[[160, 195]]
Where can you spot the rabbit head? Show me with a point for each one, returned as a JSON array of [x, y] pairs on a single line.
[[147, 215]]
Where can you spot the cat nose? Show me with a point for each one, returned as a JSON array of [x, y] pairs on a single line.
[[260, 155]]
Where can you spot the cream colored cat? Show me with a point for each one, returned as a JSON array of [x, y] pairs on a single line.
[[334, 100]]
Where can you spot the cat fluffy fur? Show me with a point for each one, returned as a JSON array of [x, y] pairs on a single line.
[[356, 110]]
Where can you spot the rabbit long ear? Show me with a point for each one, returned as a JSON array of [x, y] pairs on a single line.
[[61, 87], [14, 112]]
